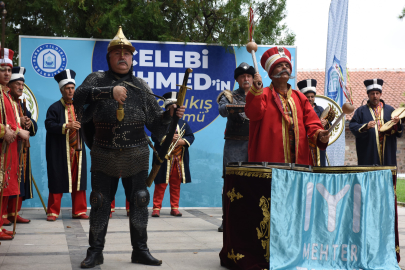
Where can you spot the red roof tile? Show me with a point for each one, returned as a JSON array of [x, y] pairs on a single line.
[[393, 87]]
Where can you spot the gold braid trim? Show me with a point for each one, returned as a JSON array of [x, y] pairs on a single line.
[[249, 174]]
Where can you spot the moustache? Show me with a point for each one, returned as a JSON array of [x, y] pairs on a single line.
[[278, 75], [122, 61], [246, 82]]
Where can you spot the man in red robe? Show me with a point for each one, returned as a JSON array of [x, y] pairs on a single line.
[[16, 85], [9, 131], [281, 119]]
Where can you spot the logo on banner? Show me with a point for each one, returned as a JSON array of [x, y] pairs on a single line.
[[334, 88], [48, 60], [332, 202], [162, 67]]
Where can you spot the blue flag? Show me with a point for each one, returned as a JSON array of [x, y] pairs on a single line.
[[332, 221], [336, 54]]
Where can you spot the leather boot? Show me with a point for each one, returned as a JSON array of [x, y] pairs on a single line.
[[140, 252], [221, 228], [95, 251]]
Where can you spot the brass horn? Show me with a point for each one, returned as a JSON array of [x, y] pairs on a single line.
[[173, 144]]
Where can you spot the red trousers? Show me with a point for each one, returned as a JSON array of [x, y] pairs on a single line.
[[3, 210], [113, 205], [174, 181], [79, 204], [11, 206]]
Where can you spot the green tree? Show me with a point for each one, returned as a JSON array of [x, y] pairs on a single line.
[[208, 21], [402, 15]]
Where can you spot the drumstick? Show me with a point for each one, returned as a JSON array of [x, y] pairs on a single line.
[[336, 122], [347, 108], [251, 47]]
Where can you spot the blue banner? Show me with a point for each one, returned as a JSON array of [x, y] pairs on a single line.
[[162, 66], [336, 54], [332, 221]]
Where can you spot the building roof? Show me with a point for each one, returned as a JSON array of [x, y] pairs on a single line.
[[393, 88]]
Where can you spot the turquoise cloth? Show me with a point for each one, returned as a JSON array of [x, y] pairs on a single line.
[[332, 221]]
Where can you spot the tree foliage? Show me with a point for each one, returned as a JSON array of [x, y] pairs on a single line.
[[402, 15], [208, 21]]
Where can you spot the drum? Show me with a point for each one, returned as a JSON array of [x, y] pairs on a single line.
[[237, 112], [386, 128], [353, 169], [328, 114], [232, 108], [400, 112], [246, 204]]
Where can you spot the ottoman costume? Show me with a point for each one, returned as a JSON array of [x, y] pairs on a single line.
[[237, 125], [282, 122], [67, 168], [309, 86], [175, 168], [9, 159], [374, 147], [119, 149], [26, 175]]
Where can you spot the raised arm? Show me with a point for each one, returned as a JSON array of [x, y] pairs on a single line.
[[256, 103]]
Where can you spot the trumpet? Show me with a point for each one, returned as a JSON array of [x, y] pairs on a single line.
[[173, 144]]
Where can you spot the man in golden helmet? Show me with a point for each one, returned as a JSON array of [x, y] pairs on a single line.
[[114, 106]]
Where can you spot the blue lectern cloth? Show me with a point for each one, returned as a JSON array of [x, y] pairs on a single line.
[[332, 221]]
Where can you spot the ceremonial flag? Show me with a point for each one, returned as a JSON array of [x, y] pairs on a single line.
[[332, 221], [251, 24], [335, 69]]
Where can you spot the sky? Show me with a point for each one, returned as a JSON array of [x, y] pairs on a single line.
[[376, 37]]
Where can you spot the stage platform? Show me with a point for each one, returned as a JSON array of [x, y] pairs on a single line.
[[188, 242]]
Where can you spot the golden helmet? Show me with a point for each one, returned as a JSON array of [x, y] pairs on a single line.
[[120, 42]]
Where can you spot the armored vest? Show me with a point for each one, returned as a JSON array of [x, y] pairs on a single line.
[[106, 131]]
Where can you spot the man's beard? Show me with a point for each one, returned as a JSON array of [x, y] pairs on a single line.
[[278, 75]]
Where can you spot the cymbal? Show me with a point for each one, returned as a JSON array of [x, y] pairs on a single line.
[[400, 112]]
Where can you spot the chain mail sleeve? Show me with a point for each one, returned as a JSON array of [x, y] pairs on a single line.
[[90, 91], [157, 121], [223, 99]]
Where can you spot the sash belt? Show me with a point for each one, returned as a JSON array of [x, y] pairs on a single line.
[[119, 135]]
